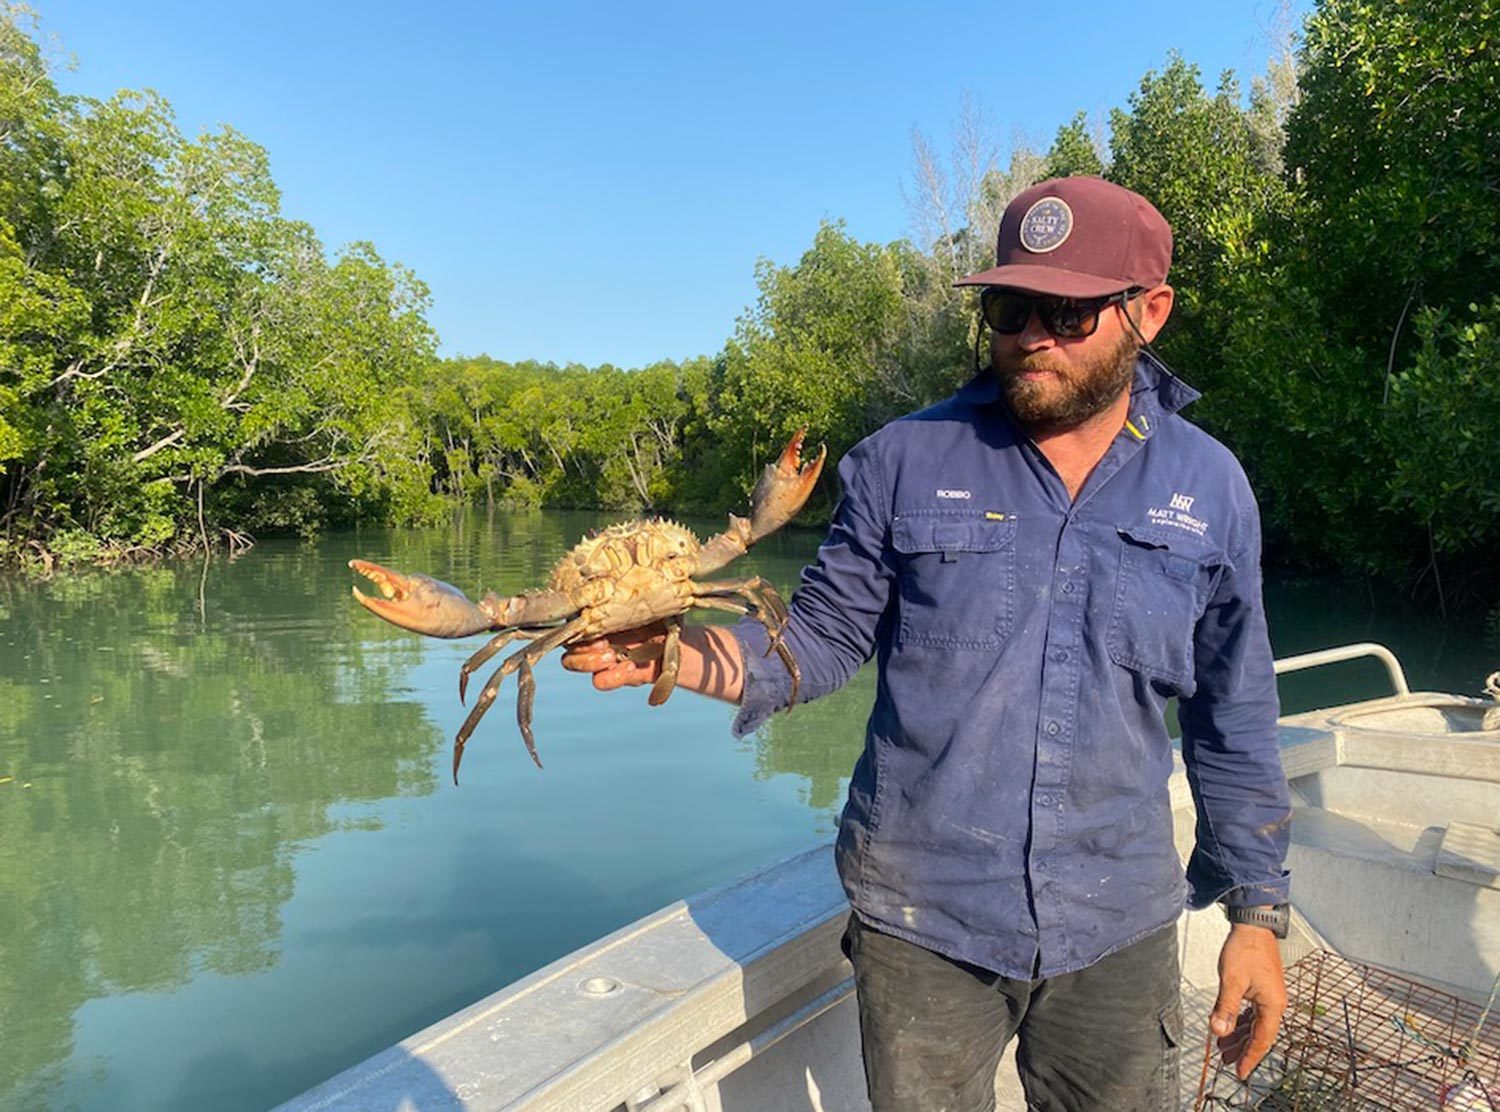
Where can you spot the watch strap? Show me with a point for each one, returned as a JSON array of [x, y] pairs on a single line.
[[1276, 918]]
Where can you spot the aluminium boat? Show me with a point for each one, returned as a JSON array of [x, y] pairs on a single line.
[[739, 999]]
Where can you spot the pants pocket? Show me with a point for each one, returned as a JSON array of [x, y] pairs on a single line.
[[1171, 1054]]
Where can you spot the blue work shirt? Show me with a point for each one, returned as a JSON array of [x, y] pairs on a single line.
[[1011, 804]]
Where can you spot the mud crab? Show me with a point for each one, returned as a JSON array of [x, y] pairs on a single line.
[[622, 577]]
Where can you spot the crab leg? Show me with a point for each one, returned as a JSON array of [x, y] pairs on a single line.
[[796, 673], [525, 698], [527, 656], [768, 608], [487, 695], [729, 604], [479, 659], [671, 661], [761, 595], [779, 608]]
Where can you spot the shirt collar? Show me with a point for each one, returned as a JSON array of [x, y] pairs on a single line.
[[1153, 378]]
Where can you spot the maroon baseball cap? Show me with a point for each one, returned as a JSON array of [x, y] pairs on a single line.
[[1079, 237]]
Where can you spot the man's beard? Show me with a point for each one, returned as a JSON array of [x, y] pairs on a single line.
[[1073, 394]]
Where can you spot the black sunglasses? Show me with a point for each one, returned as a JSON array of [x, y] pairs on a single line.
[[1067, 318]]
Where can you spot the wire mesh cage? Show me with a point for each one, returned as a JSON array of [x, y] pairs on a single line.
[[1357, 1037]]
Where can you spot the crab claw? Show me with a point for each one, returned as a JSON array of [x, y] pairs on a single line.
[[784, 487], [419, 603]]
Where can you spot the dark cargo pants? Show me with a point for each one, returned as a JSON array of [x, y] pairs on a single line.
[[1102, 1039]]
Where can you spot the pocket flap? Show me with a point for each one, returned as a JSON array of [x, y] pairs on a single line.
[[1179, 542], [1172, 1023], [951, 532]]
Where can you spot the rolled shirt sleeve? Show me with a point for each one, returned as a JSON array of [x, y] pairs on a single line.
[[1230, 743], [837, 609]]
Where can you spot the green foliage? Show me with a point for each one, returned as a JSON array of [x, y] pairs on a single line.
[[528, 434], [1394, 143], [177, 358], [522, 494], [833, 343], [74, 546], [1366, 319], [1450, 483], [1073, 152], [169, 344], [818, 349], [1200, 160]]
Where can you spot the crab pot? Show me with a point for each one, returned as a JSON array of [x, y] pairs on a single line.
[[1358, 1037]]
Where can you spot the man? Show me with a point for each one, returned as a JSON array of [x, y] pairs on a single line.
[[1038, 563]]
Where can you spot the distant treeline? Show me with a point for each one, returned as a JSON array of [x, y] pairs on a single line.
[[180, 365]]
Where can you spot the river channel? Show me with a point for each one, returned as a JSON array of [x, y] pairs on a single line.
[[232, 860]]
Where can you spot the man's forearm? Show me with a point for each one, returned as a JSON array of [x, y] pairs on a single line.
[[711, 663]]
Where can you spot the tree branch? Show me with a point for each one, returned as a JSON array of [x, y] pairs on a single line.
[[326, 464], [165, 442]]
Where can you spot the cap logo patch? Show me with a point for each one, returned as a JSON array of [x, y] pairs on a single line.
[[1046, 225]]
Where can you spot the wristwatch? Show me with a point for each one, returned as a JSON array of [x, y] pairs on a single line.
[[1277, 918]]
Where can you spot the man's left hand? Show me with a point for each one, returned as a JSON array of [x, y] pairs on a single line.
[[1249, 971]]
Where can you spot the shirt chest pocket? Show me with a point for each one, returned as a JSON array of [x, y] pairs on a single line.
[[1165, 581], [957, 578]]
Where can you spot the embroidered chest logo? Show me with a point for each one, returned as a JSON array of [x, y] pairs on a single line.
[[963, 494], [1178, 514]]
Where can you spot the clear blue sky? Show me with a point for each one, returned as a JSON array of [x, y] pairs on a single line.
[[594, 182]]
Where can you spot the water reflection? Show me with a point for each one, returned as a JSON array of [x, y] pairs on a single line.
[[172, 741], [163, 769], [1317, 612]]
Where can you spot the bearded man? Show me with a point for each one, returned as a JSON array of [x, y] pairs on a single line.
[[1038, 563]]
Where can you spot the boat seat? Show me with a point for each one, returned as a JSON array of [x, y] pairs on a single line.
[[1470, 853]]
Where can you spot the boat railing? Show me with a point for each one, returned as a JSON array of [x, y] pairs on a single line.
[[1342, 653]]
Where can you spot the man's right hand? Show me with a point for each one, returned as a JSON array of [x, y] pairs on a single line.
[[711, 663], [629, 658]]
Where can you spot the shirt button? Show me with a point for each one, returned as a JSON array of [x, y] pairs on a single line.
[[1067, 588], [1045, 801], [1061, 656], [1053, 728], [1041, 866]]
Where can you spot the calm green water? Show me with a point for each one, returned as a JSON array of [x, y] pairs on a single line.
[[231, 860]]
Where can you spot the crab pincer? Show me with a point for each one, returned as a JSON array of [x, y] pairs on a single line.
[[784, 487], [419, 603]]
